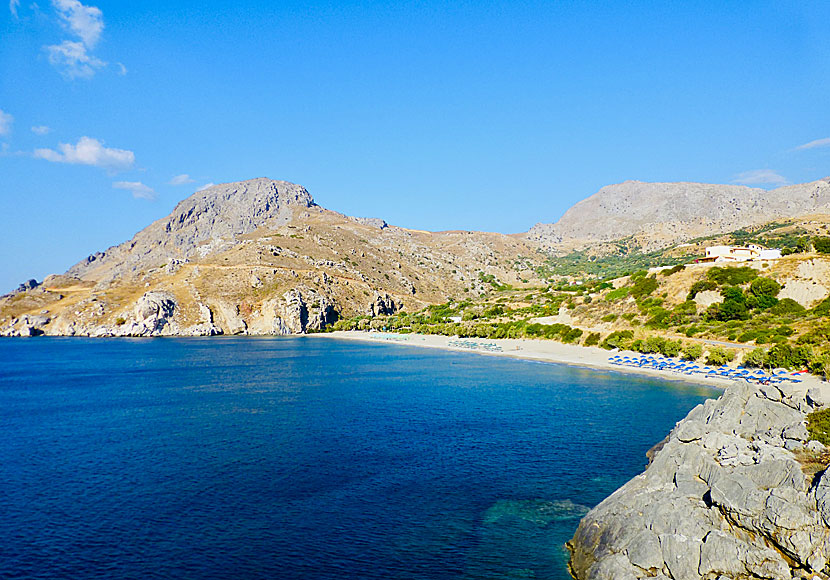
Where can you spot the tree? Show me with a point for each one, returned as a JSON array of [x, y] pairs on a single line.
[[765, 290]]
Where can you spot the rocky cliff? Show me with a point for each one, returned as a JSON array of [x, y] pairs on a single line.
[[661, 214], [725, 498]]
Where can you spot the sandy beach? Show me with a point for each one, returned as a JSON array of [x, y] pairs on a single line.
[[548, 351]]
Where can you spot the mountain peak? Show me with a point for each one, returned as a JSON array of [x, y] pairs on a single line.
[[214, 215]]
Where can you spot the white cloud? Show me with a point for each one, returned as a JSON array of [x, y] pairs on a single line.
[[40, 129], [206, 186], [5, 122], [13, 5], [760, 177], [182, 179], [74, 59], [122, 70], [89, 151], [86, 22], [813, 144], [138, 189]]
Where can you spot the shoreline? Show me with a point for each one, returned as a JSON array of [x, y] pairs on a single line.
[[548, 351]]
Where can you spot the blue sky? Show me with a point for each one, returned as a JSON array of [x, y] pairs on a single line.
[[432, 115]]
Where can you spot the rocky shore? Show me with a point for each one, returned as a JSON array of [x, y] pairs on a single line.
[[726, 497]]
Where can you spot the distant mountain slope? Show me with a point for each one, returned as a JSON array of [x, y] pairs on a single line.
[[660, 214]]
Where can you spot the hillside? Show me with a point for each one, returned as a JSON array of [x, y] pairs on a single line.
[[657, 215], [261, 257]]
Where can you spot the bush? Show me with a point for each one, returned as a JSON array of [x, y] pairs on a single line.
[[822, 308], [818, 425], [643, 287], [733, 307], [786, 356], [692, 351], [822, 244], [732, 276], [618, 339], [671, 348], [700, 286], [764, 287], [755, 358], [592, 339], [617, 294], [609, 318], [719, 356], [120, 321], [674, 270], [788, 306], [748, 336]]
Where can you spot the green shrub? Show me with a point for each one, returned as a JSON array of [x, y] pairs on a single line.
[[755, 358], [786, 356], [764, 288], [643, 287], [817, 335], [748, 336], [609, 318], [733, 307], [700, 286], [718, 356], [617, 294], [619, 339], [788, 306], [673, 270], [822, 308], [818, 425], [671, 348], [658, 318], [692, 330], [120, 321], [692, 351], [592, 339], [731, 275], [822, 244]]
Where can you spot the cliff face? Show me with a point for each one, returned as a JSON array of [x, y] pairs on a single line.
[[660, 214], [724, 498]]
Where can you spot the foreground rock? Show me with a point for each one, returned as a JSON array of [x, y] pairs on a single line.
[[724, 498]]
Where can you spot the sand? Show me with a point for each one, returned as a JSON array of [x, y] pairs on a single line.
[[549, 351]]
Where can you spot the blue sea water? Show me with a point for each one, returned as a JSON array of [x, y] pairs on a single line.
[[307, 458]]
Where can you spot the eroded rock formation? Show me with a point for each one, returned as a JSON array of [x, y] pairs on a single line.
[[725, 498]]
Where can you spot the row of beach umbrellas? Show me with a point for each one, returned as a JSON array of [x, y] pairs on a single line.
[[664, 363]]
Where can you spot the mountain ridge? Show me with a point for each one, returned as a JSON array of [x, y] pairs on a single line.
[[664, 213]]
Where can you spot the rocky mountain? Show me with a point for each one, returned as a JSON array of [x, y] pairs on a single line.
[[260, 257], [724, 498], [662, 214]]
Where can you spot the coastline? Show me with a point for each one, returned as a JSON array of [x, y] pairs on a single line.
[[544, 351]]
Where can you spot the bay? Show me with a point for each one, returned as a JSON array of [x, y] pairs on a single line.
[[307, 457]]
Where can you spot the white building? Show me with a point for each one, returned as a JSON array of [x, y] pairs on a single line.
[[746, 253]]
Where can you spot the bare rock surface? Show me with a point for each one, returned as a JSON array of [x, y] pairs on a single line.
[[666, 213], [723, 499], [208, 219]]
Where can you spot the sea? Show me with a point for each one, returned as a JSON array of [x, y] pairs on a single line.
[[307, 458]]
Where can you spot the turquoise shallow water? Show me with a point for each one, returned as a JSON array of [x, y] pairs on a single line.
[[307, 458]]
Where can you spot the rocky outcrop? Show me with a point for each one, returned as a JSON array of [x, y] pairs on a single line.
[[374, 222], [724, 498], [383, 304]]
